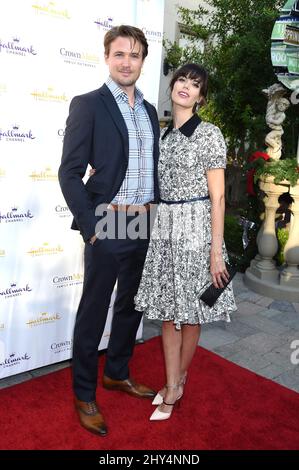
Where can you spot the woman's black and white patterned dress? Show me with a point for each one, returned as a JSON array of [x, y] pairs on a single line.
[[177, 266]]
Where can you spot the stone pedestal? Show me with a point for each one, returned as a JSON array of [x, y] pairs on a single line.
[[263, 276]]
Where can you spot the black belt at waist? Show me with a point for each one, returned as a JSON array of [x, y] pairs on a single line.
[[200, 198]]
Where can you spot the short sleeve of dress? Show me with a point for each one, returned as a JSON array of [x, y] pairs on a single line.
[[215, 153]]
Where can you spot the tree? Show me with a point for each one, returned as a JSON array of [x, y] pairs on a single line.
[[237, 37]]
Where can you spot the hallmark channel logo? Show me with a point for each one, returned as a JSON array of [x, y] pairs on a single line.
[[62, 211], [80, 58], [62, 346], [15, 134], [44, 175], [68, 280], [45, 250], [14, 215], [14, 360], [49, 96], [14, 291], [43, 318], [51, 10], [104, 24], [16, 47]]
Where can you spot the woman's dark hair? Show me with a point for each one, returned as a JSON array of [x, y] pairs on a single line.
[[194, 72], [126, 31]]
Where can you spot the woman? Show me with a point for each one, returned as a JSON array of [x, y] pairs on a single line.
[[186, 250]]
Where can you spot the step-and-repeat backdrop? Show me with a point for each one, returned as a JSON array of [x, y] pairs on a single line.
[[49, 52]]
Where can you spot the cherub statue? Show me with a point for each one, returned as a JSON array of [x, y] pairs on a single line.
[[275, 116]]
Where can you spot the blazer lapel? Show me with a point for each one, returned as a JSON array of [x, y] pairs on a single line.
[[114, 111]]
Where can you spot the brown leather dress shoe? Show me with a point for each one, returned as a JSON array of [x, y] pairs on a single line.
[[128, 386], [90, 417]]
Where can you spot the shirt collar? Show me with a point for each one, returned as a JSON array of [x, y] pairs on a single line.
[[187, 128], [120, 94]]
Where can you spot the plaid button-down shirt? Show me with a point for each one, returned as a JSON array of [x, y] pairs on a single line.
[[138, 184]]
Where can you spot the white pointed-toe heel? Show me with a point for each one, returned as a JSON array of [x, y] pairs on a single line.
[[159, 415], [158, 400]]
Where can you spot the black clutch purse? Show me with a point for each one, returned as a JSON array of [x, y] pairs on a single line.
[[211, 294]]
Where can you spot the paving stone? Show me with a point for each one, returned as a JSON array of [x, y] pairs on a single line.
[[240, 329], [150, 332], [282, 305], [269, 313], [250, 296], [264, 301], [296, 306], [211, 339], [289, 379], [290, 319], [230, 349], [252, 361], [261, 342], [249, 308], [274, 370], [264, 324]]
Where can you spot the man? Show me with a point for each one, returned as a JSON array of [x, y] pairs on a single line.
[[115, 131]]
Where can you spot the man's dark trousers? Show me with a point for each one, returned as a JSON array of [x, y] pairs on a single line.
[[106, 261]]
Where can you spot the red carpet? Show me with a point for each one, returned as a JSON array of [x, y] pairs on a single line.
[[224, 407]]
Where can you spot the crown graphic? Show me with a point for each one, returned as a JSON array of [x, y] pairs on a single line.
[[15, 126], [16, 39], [13, 285], [12, 355], [14, 208], [110, 19]]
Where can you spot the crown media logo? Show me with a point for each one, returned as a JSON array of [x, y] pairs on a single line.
[[45, 250], [44, 175], [62, 211], [80, 58], [152, 35], [15, 216], [14, 360], [15, 134], [16, 47], [43, 318], [14, 291], [62, 346], [68, 280], [61, 134], [51, 10], [49, 95]]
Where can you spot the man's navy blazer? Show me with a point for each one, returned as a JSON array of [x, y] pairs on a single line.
[[96, 134]]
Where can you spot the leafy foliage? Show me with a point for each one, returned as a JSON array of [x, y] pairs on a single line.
[[237, 38], [281, 170]]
